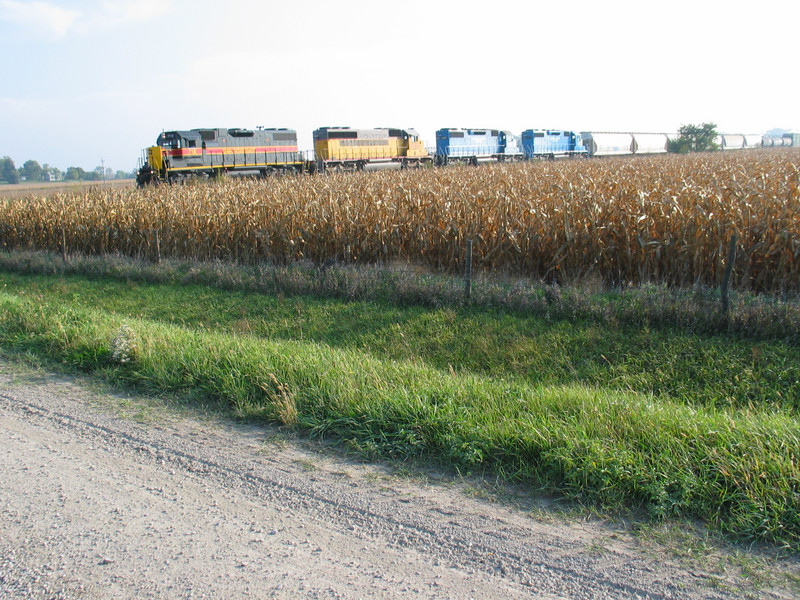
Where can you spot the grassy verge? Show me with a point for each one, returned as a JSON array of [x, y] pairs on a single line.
[[607, 412]]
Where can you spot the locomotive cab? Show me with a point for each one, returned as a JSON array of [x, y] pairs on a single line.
[[415, 148], [179, 140], [169, 139]]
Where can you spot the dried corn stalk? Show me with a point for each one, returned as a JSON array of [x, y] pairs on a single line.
[[631, 220]]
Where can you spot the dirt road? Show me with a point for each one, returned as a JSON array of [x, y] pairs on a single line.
[[104, 496]]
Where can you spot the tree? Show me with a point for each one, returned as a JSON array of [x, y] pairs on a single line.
[[8, 170], [695, 138], [31, 171], [54, 172], [75, 174]]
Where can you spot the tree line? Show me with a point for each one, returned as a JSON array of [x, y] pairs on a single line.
[[31, 170]]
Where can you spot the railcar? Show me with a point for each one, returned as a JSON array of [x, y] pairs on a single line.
[[731, 141], [551, 143], [739, 141], [752, 140], [210, 152], [476, 145], [354, 149], [607, 144], [650, 143], [791, 139], [771, 141], [785, 140], [621, 144]]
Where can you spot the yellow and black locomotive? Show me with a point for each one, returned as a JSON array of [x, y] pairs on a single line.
[[353, 149], [212, 152]]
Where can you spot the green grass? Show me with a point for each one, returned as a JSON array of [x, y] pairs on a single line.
[[711, 370], [629, 413]]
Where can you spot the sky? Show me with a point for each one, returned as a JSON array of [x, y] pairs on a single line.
[[92, 82]]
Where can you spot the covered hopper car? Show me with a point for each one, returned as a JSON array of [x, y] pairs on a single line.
[[650, 143], [607, 144]]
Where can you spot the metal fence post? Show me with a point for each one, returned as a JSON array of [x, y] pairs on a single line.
[[468, 272], [726, 277]]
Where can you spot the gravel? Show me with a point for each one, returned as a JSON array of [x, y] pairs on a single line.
[[111, 496]]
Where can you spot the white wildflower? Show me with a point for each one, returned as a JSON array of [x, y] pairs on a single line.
[[124, 344]]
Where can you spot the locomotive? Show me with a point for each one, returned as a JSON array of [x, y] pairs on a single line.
[[550, 143], [346, 148], [212, 152], [474, 145]]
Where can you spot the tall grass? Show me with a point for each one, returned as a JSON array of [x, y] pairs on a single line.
[[698, 309]]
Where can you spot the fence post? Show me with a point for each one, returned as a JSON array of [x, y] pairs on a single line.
[[468, 272], [726, 276], [157, 244]]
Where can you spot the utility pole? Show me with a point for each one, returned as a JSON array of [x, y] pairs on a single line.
[[103, 166]]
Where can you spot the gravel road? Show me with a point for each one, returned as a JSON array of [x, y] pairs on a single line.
[[109, 496]]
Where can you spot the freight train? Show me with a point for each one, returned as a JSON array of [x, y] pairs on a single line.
[[212, 152]]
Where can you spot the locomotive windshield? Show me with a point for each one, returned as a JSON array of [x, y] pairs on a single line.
[[169, 139]]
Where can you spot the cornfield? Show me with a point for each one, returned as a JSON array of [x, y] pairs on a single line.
[[665, 219]]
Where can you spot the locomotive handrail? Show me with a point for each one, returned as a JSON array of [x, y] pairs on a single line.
[[459, 151]]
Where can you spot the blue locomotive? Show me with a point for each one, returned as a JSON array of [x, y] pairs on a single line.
[[550, 143], [475, 145]]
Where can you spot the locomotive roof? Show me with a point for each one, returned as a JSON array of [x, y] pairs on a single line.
[[368, 132], [470, 130], [194, 133]]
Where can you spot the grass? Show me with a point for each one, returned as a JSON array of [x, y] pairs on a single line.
[[711, 370], [610, 410]]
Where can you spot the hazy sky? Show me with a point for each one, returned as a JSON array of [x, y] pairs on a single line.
[[88, 80]]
